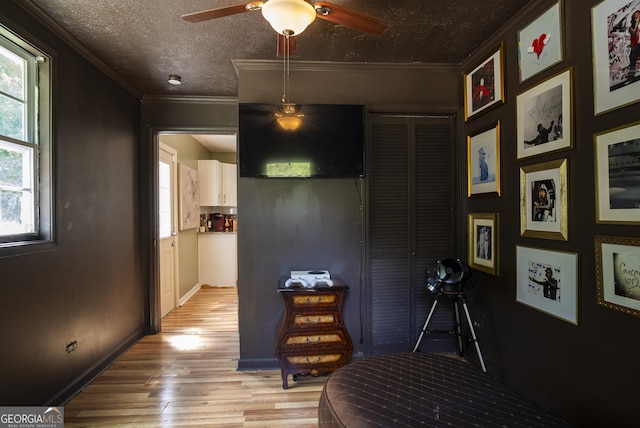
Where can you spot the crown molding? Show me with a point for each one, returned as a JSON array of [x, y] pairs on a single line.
[[190, 99], [328, 66], [44, 19]]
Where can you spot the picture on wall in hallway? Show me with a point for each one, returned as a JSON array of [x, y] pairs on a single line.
[[616, 51]]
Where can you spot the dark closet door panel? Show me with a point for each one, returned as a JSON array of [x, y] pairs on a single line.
[[388, 200], [434, 194], [391, 300], [410, 223]]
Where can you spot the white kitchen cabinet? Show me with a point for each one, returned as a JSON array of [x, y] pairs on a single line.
[[218, 184], [229, 185], [217, 259], [209, 177]]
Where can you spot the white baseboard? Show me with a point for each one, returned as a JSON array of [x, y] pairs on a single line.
[[184, 299]]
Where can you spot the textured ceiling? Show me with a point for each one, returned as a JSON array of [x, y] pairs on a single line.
[[143, 41]]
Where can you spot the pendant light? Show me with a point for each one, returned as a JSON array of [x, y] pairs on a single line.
[[288, 119]]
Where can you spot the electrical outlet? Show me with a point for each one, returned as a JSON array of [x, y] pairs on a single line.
[[72, 346]]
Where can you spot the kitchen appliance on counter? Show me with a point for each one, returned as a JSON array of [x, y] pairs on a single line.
[[218, 222]]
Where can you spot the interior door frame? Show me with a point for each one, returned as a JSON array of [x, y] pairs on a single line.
[[149, 229]]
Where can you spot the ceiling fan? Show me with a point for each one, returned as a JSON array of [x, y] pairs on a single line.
[[289, 18]]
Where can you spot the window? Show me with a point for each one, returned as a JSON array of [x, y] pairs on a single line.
[[25, 143]]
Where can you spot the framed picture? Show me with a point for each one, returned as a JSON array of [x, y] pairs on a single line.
[[617, 178], [484, 85], [616, 78], [189, 202], [544, 117], [543, 200], [547, 281], [540, 43], [618, 273], [484, 242], [483, 161]]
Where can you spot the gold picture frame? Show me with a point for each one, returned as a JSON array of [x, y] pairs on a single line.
[[617, 187], [483, 176], [484, 242], [484, 85], [544, 116], [617, 268], [544, 211]]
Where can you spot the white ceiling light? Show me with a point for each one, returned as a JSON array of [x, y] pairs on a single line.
[[174, 79], [288, 17]]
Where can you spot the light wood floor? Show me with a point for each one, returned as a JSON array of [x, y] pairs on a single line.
[[187, 376]]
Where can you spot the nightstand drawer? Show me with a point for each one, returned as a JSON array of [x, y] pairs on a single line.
[[301, 360], [329, 338], [314, 319], [314, 299]]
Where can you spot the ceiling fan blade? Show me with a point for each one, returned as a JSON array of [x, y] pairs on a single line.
[[222, 11], [349, 18], [282, 45]]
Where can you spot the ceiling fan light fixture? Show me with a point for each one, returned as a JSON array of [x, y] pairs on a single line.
[[288, 17], [289, 123]]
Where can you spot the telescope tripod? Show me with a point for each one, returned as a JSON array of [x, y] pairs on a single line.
[[459, 298]]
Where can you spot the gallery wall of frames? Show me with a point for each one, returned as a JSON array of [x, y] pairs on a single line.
[[552, 127]]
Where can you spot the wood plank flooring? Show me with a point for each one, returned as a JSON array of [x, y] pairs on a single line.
[[186, 376]]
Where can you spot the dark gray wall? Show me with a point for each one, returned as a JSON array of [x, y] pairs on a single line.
[[581, 372], [300, 224], [88, 288]]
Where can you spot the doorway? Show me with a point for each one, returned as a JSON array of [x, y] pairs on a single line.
[[181, 244]]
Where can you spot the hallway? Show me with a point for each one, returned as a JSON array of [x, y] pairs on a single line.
[[186, 376]]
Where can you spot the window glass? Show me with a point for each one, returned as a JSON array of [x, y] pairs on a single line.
[[12, 98], [164, 200], [26, 208]]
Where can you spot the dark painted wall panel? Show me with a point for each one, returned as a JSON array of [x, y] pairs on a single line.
[[580, 372], [89, 288]]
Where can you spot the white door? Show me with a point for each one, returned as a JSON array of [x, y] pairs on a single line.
[[167, 225]]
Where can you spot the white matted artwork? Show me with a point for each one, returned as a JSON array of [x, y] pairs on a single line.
[[484, 85], [189, 197], [547, 281], [544, 117], [540, 43], [618, 273], [543, 200], [484, 242], [617, 184], [616, 51], [483, 161]]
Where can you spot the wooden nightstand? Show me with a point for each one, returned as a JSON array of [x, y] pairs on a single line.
[[312, 338]]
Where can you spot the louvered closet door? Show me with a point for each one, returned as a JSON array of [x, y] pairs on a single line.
[[410, 222]]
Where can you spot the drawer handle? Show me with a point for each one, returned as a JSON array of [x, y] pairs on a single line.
[[309, 320], [319, 300], [309, 340], [317, 360]]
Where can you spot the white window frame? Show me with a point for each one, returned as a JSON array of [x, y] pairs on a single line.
[[39, 138]]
